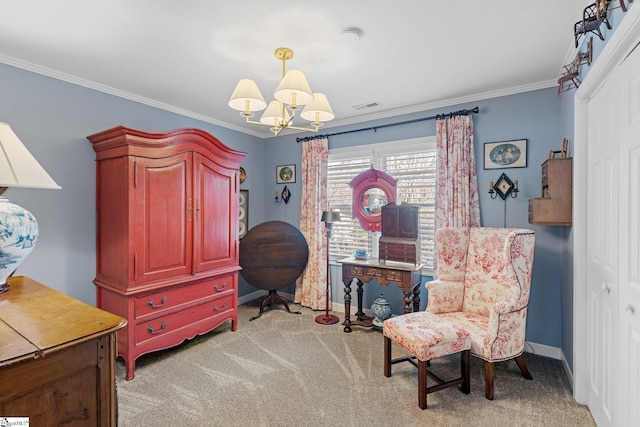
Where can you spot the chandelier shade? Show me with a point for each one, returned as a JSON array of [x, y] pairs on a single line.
[[318, 110], [274, 114], [294, 90], [247, 97], [292, 93]]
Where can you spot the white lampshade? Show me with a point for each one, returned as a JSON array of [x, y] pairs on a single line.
[[272, 116], [294, 82], [247, 91], [318, 110], [18, 168]]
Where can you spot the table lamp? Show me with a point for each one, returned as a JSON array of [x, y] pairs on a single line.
[[18, 227]]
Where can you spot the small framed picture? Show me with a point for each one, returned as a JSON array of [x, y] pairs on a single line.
[[506, 154], [285, 174]]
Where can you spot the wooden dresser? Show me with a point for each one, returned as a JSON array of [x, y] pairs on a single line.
[[167, 244], [57, 357]]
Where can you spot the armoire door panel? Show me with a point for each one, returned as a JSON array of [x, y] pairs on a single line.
[[163, 194], [216, 210]]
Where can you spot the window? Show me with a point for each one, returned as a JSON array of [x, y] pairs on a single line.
[[411, 162]]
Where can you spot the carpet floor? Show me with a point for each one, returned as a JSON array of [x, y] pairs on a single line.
[[287, 370]]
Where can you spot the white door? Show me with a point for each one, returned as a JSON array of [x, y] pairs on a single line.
[[628, 78], [602, 252]]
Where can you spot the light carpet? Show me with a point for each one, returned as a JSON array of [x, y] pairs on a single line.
[[287, 370]]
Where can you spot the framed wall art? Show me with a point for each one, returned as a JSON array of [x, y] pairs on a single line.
[[285, 174], [506, 154], [243, 213]]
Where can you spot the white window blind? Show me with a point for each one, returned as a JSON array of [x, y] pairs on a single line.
[[411, 162]]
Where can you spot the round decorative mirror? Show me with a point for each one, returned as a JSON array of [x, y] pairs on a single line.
[[372, 189]]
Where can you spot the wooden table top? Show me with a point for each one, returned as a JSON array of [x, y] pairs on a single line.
[[374, 262], [35, 319]]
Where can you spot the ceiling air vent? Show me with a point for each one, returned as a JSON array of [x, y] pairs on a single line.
[[367, 105]]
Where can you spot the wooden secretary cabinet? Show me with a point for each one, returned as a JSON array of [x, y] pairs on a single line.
[[554, 207], [167, 244]]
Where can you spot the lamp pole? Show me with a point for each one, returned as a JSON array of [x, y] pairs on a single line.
[[328, 217]]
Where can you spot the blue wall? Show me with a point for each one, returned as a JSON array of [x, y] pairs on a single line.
[[53, 118]]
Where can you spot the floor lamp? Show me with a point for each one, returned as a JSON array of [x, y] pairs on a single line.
[[328, 217]]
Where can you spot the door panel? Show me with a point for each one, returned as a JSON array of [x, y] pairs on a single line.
[[602, 254], [628, 76]]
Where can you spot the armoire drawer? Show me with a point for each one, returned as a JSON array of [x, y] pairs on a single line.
[[171, 297], [164, 325]]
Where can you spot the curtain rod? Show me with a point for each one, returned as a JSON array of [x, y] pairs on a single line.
[[375, 128]]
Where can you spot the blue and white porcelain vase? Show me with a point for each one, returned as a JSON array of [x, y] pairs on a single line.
[[380, 310], [18, 236]]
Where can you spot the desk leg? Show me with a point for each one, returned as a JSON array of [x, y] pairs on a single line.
[[416, 297], [347, 306], [407, 302], [360, 313]]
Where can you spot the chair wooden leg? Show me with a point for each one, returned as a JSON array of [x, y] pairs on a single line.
[[465, 371], [387, 357], [523, 367], [422, 384], [489, 375]]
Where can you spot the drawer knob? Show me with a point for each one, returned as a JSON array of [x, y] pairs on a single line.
[[224, 307], [162, 302], [218, 289], [162, 327]]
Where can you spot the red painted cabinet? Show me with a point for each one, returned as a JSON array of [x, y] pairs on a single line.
[[167, 243]]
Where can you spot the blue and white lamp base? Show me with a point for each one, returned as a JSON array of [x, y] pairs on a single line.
[[18, 236]]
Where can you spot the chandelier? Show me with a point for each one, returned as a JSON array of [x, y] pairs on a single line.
[[292, 93]]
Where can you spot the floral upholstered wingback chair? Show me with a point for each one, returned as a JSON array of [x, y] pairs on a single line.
[[482, 285]]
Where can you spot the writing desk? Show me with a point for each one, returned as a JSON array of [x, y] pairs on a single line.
[[405, 275]]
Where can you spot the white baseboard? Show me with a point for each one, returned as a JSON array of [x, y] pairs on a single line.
[[567, 370], [543, 350]]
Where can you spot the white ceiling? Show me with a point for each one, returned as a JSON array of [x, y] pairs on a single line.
[[187, 56]]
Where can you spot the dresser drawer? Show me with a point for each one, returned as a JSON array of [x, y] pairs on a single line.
[[354, 270], [393, 275], [161, 326], [159, 301]]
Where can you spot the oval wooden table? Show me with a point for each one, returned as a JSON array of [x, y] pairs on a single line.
[[273, 255]]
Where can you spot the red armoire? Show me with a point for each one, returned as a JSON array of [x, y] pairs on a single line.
[[167, 242]]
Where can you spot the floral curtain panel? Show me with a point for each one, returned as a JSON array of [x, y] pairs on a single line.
[[457, 203], [311, 286]]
